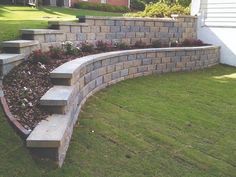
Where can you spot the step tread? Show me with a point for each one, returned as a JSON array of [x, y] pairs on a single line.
[[40, 31], [49, 133], [19, 43], [57, 96], [9, 58]]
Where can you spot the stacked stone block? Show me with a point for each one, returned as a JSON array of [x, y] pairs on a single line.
[[76, 80], [129, 30]]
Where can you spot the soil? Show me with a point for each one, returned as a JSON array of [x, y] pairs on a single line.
[[25, 85]]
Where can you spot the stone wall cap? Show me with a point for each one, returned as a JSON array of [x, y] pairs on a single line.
[[67, 23], [128, 18], [49, 133], [182, 16], [70, 69], [9, 58], [19, 43], [40, 31], [57, 96]]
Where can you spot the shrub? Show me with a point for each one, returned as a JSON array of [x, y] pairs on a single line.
[[161, 10], [178, 9], [122, 45], [137, 5], [39, 56], [140, 44], [70, 49], [156, 10], [156, 44], [56, 52], [192, 42], [101, 7], [184, 3], [103, 46], [175, 44], [86, 47]]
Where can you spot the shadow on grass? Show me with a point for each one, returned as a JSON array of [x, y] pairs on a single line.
[[50, 11]]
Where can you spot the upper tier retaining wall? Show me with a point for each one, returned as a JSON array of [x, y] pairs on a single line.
[[76, 80], [117, 29]]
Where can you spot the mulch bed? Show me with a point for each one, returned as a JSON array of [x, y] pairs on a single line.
[[27, 83]]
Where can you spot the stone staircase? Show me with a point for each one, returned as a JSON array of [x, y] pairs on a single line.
[[16, 51]]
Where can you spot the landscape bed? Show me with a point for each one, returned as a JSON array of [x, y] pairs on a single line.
[[73, 82], [28, 82]]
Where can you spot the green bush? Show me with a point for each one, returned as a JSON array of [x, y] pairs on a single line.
[[137, 5], [101, 7], [156, 10], [184, 3], [161, 10], [178, 9]]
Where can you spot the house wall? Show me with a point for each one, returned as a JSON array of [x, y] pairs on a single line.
[[217, 25], [118, 2]]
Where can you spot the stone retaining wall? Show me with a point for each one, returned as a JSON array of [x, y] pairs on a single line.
[[76, 80], [117, 29], [110, 29]]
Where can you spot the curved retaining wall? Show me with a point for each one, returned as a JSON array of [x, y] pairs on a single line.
[[76, 80]]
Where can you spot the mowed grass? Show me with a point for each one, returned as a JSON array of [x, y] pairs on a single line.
[[171, 125], [14, 18]]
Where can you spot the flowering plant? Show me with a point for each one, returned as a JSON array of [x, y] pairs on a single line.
[[86, 47], [70, 48], [104, 46]]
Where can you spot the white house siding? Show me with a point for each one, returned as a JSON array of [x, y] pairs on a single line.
[[217, 25]]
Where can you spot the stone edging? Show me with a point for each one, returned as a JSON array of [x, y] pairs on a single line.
[[75, 81], [24, 133]]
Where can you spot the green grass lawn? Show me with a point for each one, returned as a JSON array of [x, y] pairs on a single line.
[[14, 18], [172, 125]]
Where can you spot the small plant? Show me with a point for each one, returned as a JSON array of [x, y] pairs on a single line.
[[140, 44], [39, 56], [86, 47], [192, 42], [70, 48], [103, 46], [199, 42], [175, 44], [156, 44], [56, 52], [122, 45]]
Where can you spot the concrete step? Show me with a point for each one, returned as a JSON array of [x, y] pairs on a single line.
[[43, 35], [49, 133], [57, 99], [40, 31], [20, 46], [8, 62], [50, 139]]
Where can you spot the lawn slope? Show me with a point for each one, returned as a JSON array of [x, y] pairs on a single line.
[[177, 125], [14, 18]]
